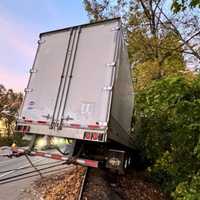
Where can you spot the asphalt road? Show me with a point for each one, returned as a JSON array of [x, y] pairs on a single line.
[[11, 189]]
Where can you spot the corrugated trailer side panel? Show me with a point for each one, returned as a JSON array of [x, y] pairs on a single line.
[[122, 100]]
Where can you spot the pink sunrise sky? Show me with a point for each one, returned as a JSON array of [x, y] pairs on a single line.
[[21, 22]]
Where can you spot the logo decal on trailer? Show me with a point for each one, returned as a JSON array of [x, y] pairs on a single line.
[[31, 103]]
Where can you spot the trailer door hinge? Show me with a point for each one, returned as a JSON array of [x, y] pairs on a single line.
[[33, 70], [68, 118], [107, 88], [41, 41], [28, 89], [47, 116], [115, 28], [113, 64]]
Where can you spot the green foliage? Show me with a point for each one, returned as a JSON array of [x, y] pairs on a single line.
[[6, 141], [9, 106], [188, 190], [103, 9], [167, 104], [167, 116], [149, 67], [181, 5], [95, 9], [154, 50]]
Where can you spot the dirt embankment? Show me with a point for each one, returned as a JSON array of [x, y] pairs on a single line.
[[132, 186]]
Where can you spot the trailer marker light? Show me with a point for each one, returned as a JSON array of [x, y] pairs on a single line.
[[23, 129], [26, 129], [100, 137], [95, 136], [87, 135]]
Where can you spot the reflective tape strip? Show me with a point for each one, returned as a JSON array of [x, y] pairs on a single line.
[[85, 162], [84, 126], [78, 126], [64, 158], [41, 122], [56, 157], [75, 125], [89, 163], [33, 122], [28, 121], [47, 155], [80, 161], [92, 163], [93, 126]]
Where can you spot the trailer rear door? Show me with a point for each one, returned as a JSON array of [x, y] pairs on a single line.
[[42, 89], [72, 76]]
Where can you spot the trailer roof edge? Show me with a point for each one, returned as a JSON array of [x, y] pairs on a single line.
[[81, 25]]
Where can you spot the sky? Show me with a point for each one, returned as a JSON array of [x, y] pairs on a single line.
[[21, 21]]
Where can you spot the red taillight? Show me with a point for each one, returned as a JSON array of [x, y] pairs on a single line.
[[93, 136], [87, 135], [26, 128], [23, 129], [100, 137]]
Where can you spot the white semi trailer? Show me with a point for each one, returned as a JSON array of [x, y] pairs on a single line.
[[80, 88]]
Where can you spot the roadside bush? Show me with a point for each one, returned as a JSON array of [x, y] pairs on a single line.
[[10, 102], [167, 119], [8, 140], [188, 190]]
